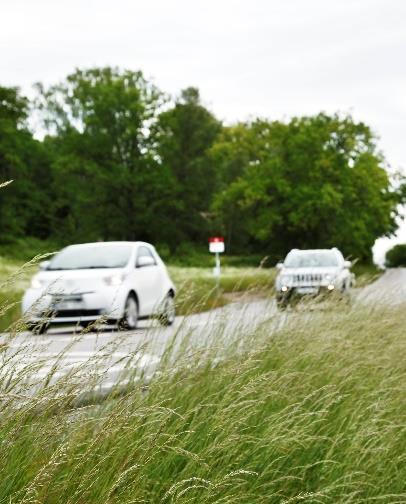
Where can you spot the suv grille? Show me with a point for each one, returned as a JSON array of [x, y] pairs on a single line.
[[307, 279]]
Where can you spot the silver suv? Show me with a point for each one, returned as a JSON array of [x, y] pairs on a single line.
[[312, 272]]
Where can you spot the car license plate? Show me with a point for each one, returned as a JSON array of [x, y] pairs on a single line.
[[74, 303], [67, 305], [307, 290]]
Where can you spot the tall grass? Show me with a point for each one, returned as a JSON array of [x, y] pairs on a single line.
[[306, 407]]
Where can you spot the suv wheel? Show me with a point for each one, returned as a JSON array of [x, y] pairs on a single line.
[[282, 304]]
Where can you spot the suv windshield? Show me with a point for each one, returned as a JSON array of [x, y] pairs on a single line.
[[311, 260], [91, 257]]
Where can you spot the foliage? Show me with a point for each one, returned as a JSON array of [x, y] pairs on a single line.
[[185, 133], [23, 203], [24, 249], [313, 182], [109, 183], [396, 256], [120, 161]]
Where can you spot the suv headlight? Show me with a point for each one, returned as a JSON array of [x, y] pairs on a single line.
[[114, 280]]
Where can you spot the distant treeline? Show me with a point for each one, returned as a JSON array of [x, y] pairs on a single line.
[[120, 160]]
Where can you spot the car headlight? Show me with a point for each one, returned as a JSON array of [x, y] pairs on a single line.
[[36, 283], [328, 278], [114, 280]]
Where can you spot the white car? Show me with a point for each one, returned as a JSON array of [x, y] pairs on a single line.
[[120, 282], [312, 272]]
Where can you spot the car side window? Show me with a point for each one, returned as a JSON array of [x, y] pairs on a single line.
[[145, 252]]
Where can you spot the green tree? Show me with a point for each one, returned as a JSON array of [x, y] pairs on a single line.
[[313, 182], [185, 133], [109, 181], [24, 204]]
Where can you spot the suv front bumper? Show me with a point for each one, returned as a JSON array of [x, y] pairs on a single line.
[[287, 293]]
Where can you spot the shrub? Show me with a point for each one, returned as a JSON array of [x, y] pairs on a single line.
[[396, 256]]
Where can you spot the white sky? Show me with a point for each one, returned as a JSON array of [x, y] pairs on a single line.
[[269, 58]]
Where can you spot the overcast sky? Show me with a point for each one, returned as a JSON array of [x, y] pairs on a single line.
[[269, 58]]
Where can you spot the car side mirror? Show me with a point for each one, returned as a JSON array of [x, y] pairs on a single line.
[[279, 266], [347, 264], [144, 261], [43, 265]]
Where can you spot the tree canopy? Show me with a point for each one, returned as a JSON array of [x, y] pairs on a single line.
[[185, 133], [122, 160], [23, 204], [312, 182], [109, 182]]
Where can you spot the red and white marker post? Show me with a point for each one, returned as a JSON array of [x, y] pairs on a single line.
[[216, 246]]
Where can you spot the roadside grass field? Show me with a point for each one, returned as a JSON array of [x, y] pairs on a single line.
[[196, 287], [366, 273], [14, 278], [309, 407]]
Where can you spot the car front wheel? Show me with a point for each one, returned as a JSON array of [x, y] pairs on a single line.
[[130, 318], [38, 328]]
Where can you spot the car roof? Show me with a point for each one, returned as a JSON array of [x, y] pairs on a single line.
[[334, 250], [312, 251], [106, 243]]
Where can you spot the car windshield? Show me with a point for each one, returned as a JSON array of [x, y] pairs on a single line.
[[311, 260], [91, 257]]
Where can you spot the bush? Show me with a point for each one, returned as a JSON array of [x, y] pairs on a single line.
[[24, 249], [396, 256]]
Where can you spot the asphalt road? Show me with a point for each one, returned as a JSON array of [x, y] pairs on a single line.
[[389, 289], [115, 355]]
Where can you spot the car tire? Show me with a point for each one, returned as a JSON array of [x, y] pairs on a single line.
[[168, 312], [90, 326], [131, 312], [38, 328], [282, 304]]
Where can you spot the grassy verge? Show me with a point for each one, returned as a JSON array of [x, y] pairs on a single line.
[[14, 278], [197, 288], [309, 410], [366, 273]]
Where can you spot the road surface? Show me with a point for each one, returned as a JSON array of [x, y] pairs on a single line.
[[114, 355], [389, 289], [117, 354]]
